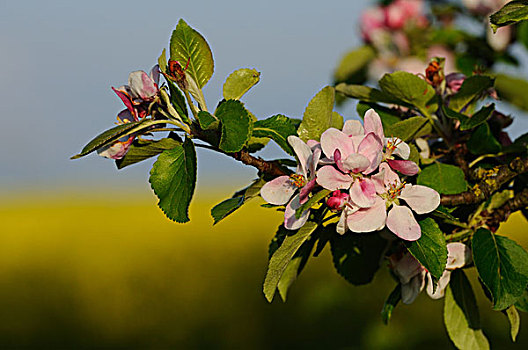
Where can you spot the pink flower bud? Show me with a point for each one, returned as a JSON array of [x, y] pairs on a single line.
[[454, 82], [338, 200]]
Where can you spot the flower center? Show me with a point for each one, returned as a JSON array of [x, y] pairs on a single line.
[[297, 180], [394, 190]]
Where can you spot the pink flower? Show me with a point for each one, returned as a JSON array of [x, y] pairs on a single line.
[[400, 12], [141, 90], [393, 146], [413, 276], [354, 155], [280, 190], [454, 81], [373, 19], [399, 220]]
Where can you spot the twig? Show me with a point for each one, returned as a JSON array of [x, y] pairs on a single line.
[[490, 181], [518, 202], [266, 167]]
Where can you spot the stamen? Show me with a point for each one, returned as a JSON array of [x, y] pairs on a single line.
[[298, 180]]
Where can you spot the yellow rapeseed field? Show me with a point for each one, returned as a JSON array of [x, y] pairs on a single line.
[[107, 270]]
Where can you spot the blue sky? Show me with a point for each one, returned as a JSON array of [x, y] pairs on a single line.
[[59, 59]]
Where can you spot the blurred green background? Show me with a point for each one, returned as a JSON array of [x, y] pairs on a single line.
[[107, 270]]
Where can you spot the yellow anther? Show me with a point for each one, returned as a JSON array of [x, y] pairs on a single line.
[[298, 180]]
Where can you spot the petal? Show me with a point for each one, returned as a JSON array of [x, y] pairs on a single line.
[[141, 85], [406, 167], [458, 255], [389, 176], [372, 123], [424, 147], [278, 191], [363, 193], [420, 198], [372, 148], [368, 219], [118, 149], [302, 151], [341, 225], [155, 74], [406, 268], [332, 179], [402, 223], [402, 149], [125, 117], [290, 221], [412, 289], [353, 128], [355, 163], [313, 162], [126, 99], [306, 190], [440, 287], [313, 144], [333, 139]]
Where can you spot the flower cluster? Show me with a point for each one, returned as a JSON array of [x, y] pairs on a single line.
[[142, 89], [414, 277], [359, 165]]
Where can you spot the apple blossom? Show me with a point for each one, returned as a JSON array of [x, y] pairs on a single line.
[[281, 190], [414, 277], [399, 220]]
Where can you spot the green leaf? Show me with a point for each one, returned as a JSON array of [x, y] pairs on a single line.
[[467, 123], [295, 267], [283, 255], [461, 316], [239, 82], [162, 61], [431, 249], [236, 125], [522, 302], [512, 12], [178, 101], [353, 64], [482, 141], [512, 90], [414, 156], [409, 129], [318, 115], [522, 33], [502, 266], [388, 116], [478, 118], [223, 209], [337, 121], [143, 149], [311, 202], [112, 135], [186, 44], [278, 128], [410, 89], [515, 322], [471, 90], [444, 178], [173, 178], [207, 120], [367, 94], [391, 302], [357, 257]]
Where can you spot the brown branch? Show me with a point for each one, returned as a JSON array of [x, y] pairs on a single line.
[[518, 202], [490, 181], [212, 137], [266, 167], [459, 157]]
